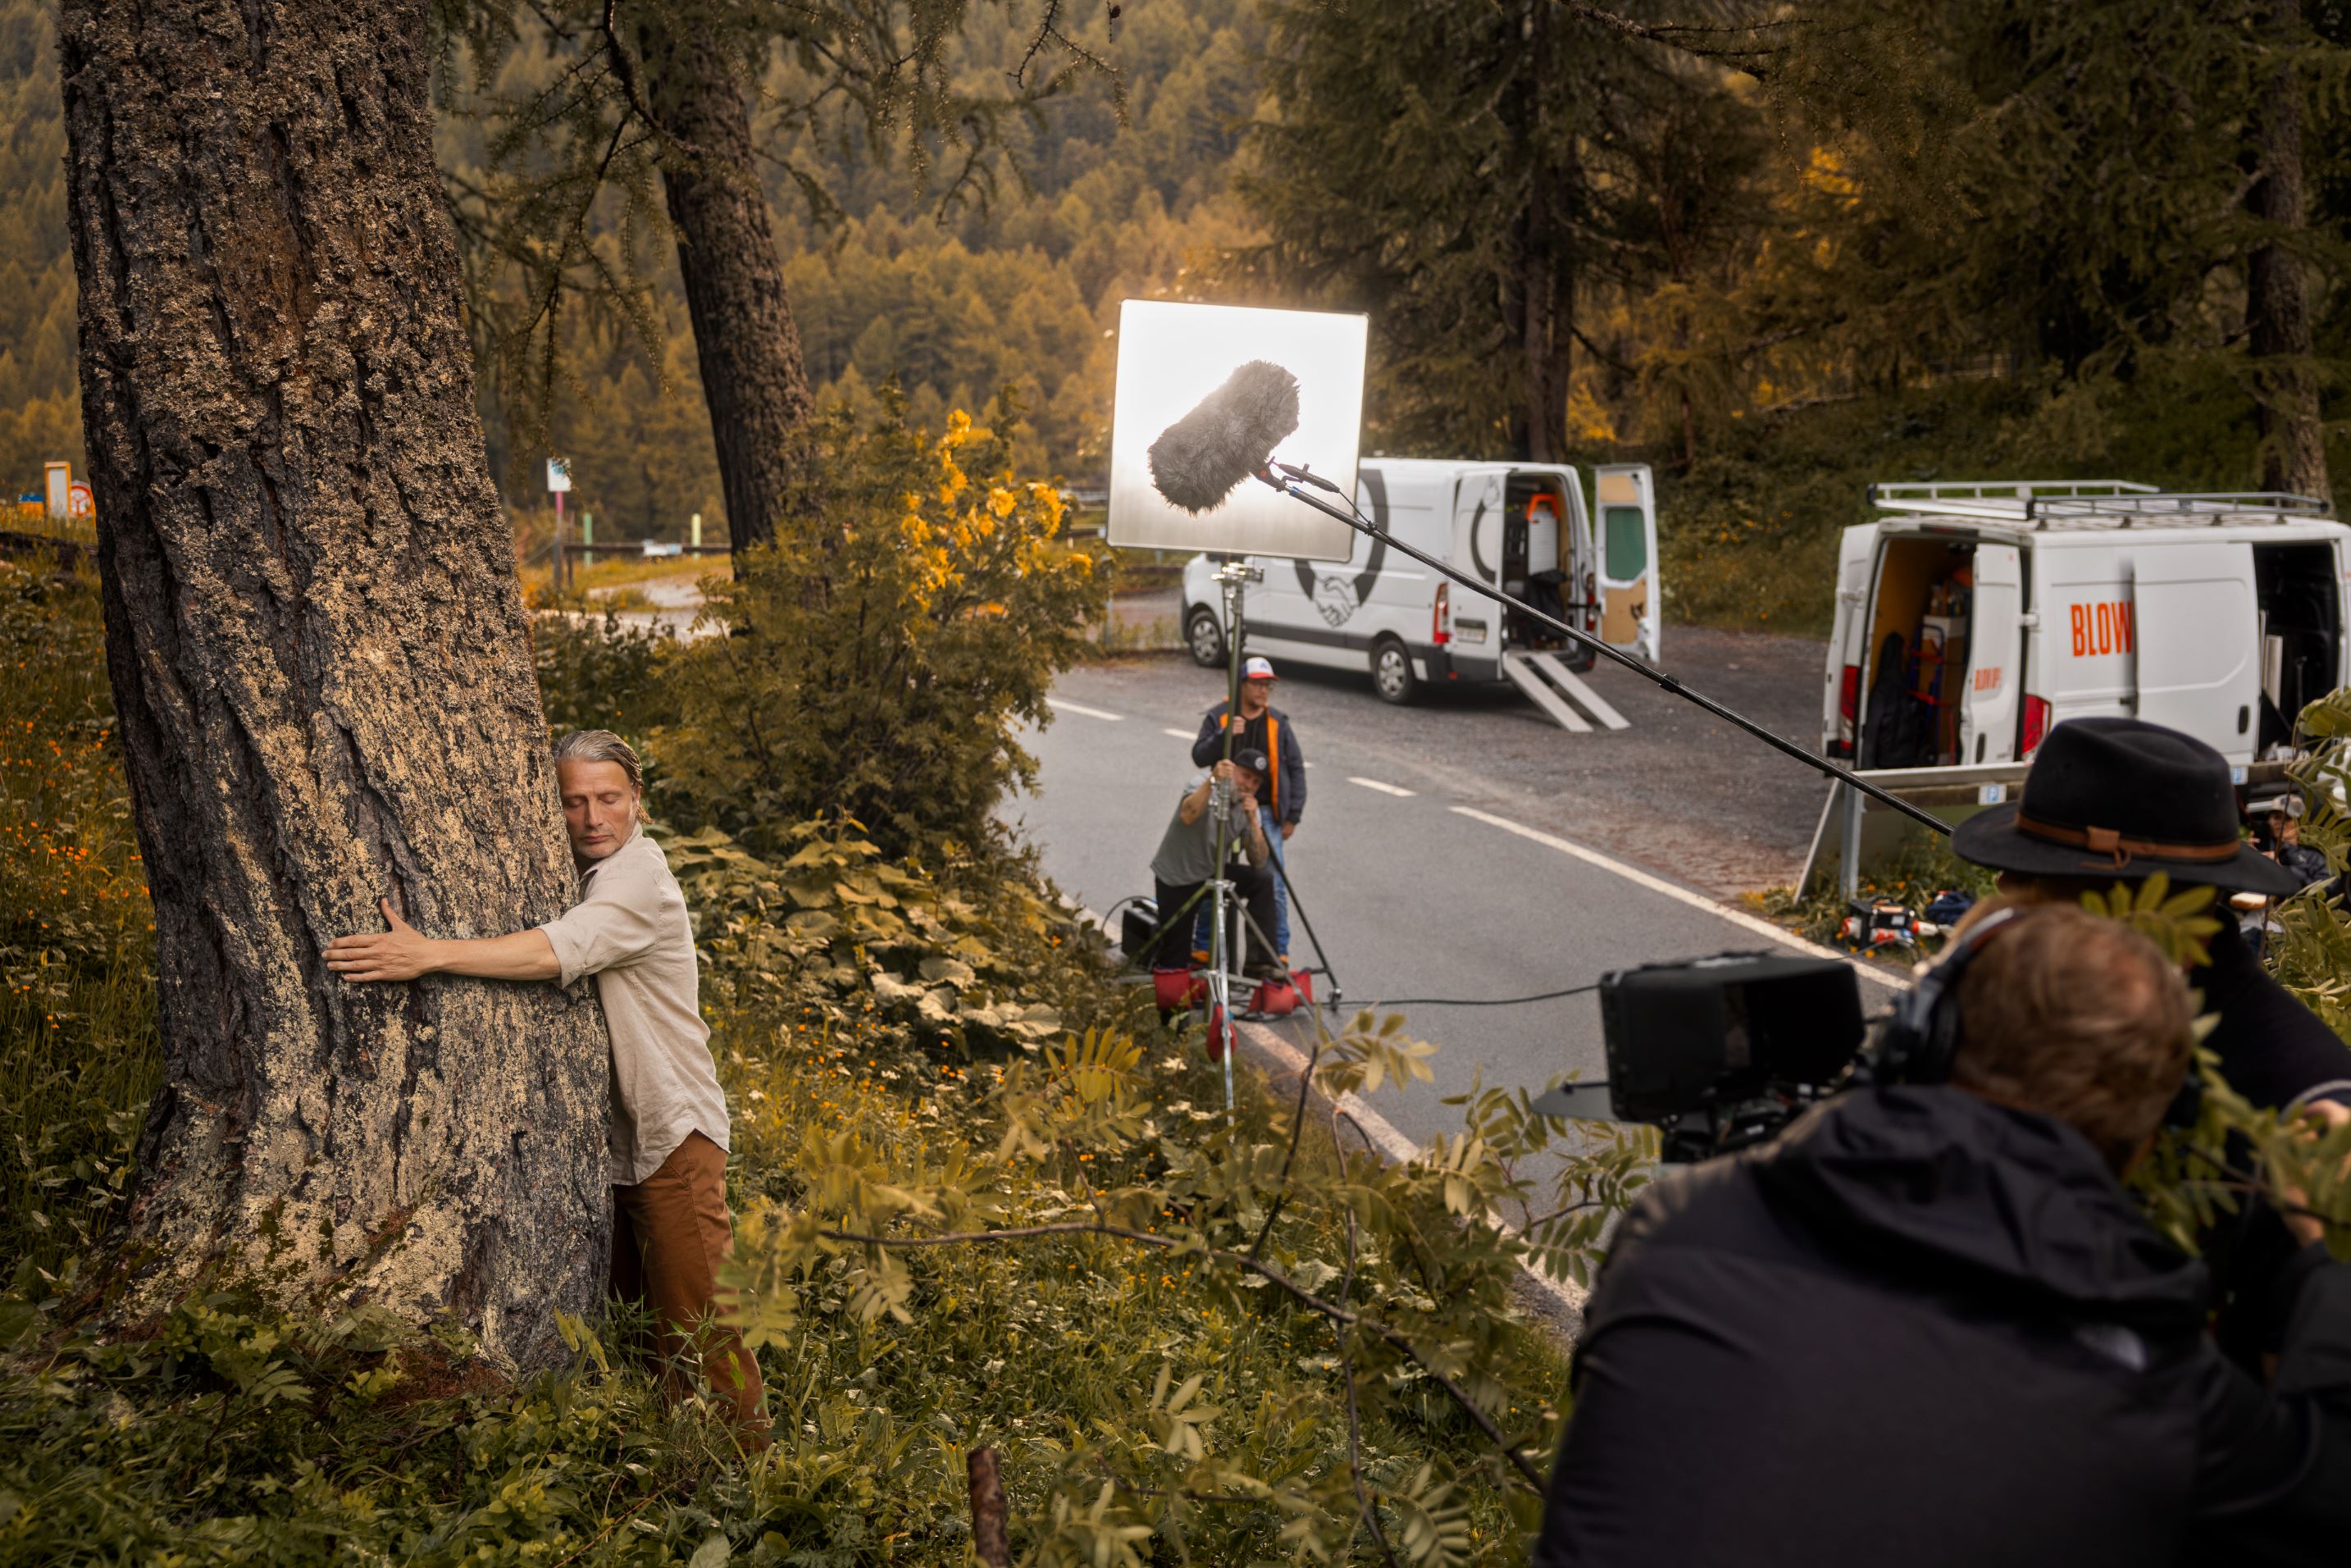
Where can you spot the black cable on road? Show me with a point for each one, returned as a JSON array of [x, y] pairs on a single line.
[[1483, 1001]]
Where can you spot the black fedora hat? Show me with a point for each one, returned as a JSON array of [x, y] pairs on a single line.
[[2123, 798]]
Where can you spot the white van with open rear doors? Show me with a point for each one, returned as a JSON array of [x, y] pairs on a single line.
[[1970, 619], [1525, 528]]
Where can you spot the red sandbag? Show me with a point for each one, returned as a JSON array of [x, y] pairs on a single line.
[[1177, 989], [1275, 1000]]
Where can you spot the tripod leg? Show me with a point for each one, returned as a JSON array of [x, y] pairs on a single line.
[[1299, 909]]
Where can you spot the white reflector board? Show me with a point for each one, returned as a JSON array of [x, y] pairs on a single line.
[[1170, 356]]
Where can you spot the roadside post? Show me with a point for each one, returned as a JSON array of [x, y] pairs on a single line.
[[558, 482], [697, 531], [1849, 862], [587, 540]]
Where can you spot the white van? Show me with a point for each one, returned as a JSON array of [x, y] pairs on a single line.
[[1522, 527], [1970, 619]]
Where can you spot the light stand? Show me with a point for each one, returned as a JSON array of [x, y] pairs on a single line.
[[1293, 481], [1232, 575]]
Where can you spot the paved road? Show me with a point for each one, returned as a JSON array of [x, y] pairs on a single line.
[[1423, 860]]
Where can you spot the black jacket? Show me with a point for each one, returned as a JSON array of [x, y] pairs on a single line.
[[1279, 741], [1920, 1329], [2273, 1051]]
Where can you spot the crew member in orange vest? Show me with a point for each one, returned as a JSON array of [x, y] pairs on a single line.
[[1264, 727]]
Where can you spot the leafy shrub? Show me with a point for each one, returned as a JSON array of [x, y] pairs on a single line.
[[834, 927], [882, 649], [610, 675]]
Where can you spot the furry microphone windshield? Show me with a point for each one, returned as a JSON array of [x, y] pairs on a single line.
[[1197, 460]]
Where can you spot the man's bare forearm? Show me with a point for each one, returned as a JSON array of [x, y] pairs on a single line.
[[523, 955]]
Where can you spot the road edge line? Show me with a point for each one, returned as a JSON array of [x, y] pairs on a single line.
[[1659, 884]]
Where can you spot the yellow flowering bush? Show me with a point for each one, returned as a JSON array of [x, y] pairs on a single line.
[[879, 656]]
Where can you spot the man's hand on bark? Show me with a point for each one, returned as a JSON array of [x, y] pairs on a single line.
[[401, 953]]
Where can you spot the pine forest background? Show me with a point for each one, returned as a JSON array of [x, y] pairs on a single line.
[[2025, 255]]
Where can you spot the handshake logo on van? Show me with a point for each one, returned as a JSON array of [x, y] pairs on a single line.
[[1335, 598], [2103, 628]]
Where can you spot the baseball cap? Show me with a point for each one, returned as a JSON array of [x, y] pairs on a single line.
[[1257, 667], [1250, 758]]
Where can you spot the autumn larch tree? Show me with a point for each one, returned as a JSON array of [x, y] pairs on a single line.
[[320, 659]]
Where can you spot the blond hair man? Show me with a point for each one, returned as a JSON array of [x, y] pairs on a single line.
[[630, 930]]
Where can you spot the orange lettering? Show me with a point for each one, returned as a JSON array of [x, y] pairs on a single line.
[[2081, 638], [2122, 625], [2105, 614]]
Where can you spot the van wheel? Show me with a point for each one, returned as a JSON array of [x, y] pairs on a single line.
[[1206, 639], [1392, 674]]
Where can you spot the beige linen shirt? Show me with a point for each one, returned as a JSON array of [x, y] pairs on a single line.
[[630, 930]]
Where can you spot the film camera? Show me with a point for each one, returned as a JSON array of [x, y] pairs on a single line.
[[1721, 1052]]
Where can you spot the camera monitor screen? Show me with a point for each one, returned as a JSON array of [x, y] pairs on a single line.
[[1206, 394], [1680, 1036]]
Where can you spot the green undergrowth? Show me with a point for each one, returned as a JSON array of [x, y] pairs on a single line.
[[1214, 1338]]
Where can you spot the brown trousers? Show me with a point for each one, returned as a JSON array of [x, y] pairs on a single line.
[[670, 1232]]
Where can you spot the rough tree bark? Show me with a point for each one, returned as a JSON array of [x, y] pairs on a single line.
[[744, 335], [322, 668], [2277, 305]]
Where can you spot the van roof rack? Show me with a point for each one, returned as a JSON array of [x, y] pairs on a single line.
[[2094, 503]]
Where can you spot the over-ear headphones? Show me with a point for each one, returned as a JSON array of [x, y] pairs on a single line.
[[1918, 1043]]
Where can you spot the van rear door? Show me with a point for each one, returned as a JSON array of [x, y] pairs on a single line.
[[1988, 704], [2194, 632], [1841, 702], [1629, 607]]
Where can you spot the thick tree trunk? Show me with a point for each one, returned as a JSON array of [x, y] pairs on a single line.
[[1547, 279], [1549, 335], [322, 667], [2277, 304], [743, 331]]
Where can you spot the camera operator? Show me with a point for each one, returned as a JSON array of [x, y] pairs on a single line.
[[2116, 800], [1927, 1325], [1187, 856]]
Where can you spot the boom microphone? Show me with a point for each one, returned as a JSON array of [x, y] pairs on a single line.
[[1200, 459]]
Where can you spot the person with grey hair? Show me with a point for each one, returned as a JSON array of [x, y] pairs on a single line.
[[670, 1227]]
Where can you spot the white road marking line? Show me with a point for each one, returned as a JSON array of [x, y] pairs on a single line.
[[1739, 917], [1062, 706], [1179, 734], [1383, 788], [1391, 1143]]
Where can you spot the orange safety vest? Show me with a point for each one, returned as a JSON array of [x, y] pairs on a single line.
[[1272, 756]]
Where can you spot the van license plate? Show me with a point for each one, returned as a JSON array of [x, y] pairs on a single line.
[[1991, 794]]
